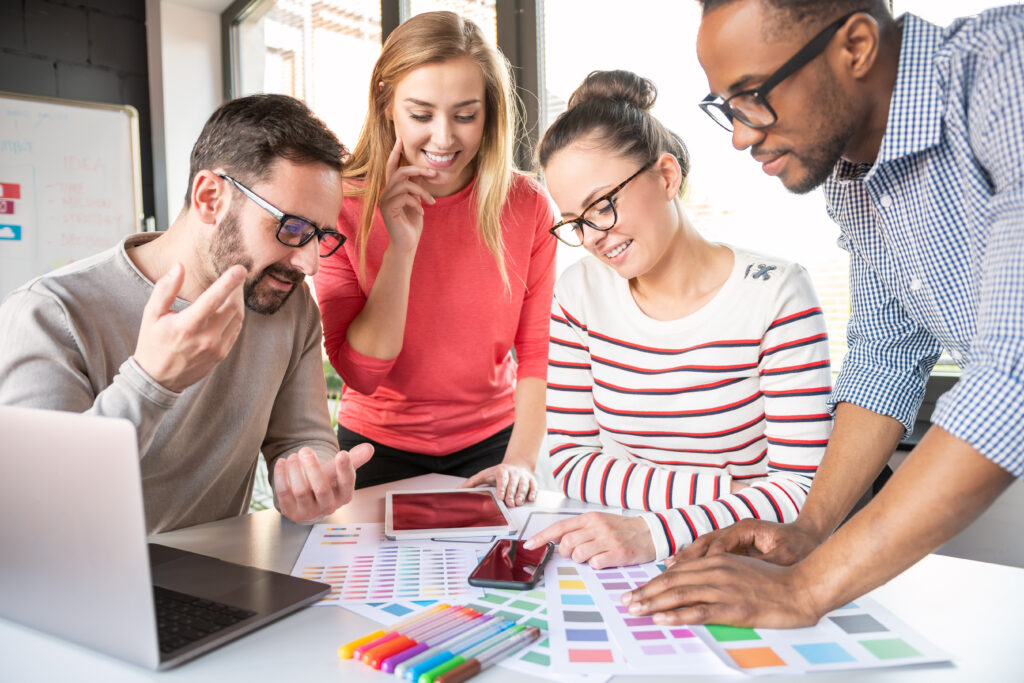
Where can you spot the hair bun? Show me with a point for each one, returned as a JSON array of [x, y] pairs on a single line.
[[618, 86]]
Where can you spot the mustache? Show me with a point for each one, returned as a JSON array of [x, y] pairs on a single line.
[[283, 273]]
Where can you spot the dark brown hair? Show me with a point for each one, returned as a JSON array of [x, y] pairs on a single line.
[[246, 135], [615, 107]]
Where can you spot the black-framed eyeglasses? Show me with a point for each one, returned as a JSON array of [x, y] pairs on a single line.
[[751, 107], [293, 231], [600, 214]]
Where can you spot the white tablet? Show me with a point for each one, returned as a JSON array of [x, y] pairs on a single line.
[[446, 513]]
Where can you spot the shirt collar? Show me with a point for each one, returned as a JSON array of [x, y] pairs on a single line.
[[915, 110]]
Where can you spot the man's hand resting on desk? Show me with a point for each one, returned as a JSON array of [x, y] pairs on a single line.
[[783, 544], [515, 484], [308, 489], [600, 539]]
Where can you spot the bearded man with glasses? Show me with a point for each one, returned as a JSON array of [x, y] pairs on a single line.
[[205, 336], [917, 136]]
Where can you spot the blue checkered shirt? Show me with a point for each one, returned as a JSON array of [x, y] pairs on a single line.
[[935, 232]]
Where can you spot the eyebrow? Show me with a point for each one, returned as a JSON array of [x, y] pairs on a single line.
[[742, 82], [421, 103], [596, 192]]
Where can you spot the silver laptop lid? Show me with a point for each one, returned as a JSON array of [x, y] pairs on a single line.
[[74, 560]]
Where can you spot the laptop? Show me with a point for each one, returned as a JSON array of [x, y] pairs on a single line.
[[74, 561]]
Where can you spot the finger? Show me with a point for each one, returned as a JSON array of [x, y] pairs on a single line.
[[523, 488], [553, 533], [675, 597], [285, 497], [345, 475], [478, 479], [393, 160], [534, 487], [360, 454], [165, 290], [583, 551], [300, 488], [511, 487], [322, 487], [502, 482], [703, 613], [216, 294], [411, 187], [695, 550]]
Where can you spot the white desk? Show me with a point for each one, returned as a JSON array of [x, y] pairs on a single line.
[[973, 610]]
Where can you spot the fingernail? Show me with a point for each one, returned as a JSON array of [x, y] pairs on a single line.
[[626, 598], [659, 618], [635, 608], [529, 545]]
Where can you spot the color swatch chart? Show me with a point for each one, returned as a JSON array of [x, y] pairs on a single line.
[[860, 635], [362, 566], [645, 645]]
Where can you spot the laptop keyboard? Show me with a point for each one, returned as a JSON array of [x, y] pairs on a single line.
[[182, 619]]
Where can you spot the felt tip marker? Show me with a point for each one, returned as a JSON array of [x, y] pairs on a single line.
[[436, 656], [443, 616], [485, 660], [417, 672], [413, 638], [435, 643], [348, 650]]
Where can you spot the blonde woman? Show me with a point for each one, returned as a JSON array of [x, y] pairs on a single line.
[[448, 269]]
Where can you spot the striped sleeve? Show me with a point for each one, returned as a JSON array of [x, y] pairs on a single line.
[[581, 469], [795, 381]]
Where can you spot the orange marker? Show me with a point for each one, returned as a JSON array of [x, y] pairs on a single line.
[[348, 650]]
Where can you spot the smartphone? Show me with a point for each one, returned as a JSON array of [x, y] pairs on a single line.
[[509, 565]]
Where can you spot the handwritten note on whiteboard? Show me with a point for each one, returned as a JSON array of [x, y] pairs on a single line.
[[69, 183]]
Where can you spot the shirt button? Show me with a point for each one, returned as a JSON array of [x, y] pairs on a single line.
[[915, 285], [886, 201]]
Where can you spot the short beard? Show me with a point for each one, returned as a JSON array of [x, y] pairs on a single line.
[[824, 153], [225, 251]]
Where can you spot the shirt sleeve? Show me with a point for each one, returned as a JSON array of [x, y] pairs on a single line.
[[531, 340], [341, 299], [299, 416], [43, 366], [795, 380], [985, 407], [889, 356]]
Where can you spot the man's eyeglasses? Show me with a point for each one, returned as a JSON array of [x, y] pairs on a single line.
[[600, 214], [751, 107], [293, 231]]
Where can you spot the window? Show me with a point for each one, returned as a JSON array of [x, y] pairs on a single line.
[[321, 51], [728, 198], [480, 12]]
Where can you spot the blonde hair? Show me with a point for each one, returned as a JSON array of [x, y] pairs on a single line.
[[432, 38]]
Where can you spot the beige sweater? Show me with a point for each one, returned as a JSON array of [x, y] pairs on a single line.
[[67, 340]]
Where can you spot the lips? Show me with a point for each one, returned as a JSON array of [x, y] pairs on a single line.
[[771, 163]]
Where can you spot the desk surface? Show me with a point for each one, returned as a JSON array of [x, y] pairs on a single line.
[[974, 610]]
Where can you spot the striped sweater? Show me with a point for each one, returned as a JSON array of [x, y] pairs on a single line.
[[663, 416]]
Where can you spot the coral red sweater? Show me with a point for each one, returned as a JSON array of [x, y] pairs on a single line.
[[453, 383]]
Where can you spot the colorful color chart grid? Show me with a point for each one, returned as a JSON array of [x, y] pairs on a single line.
[[362, 566], [581, 641], [861, 635], [647, 646]]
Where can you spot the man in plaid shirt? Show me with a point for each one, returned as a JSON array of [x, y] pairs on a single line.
[[917, 135]]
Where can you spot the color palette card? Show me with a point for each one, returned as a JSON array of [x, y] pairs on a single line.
[[861, 635], [581, 639], [648, 647], [363, 566]]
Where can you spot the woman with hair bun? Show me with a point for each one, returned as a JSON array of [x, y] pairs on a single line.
[[447, 269], [686, 379]]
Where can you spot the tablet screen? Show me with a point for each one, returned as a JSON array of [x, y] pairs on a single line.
[[446, 510]]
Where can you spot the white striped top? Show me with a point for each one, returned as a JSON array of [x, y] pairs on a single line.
[[662, 416]]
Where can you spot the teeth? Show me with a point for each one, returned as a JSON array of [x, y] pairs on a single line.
[[618, 250], [441, 158]]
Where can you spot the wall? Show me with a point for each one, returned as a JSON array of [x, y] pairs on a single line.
[[185, 58], [92, 50]]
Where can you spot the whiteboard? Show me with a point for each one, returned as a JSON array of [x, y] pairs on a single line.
[[70, 182]]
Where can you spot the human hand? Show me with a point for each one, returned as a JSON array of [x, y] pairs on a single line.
[[401, 202], [600, 539], [515, 484], [782, 544], [727, 589], [177, 349], [308, 489]]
